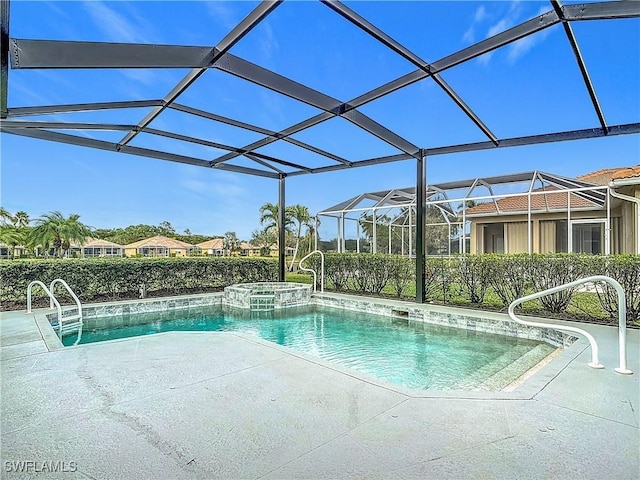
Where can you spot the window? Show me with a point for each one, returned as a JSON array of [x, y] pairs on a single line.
[[587, 237]]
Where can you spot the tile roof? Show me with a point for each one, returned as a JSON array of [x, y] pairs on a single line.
[[98, 242], [628, 172], [159, 241], [606, 175], [213, 244], [519, 203]]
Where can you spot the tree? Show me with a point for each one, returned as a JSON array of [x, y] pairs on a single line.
[[382, 230], [12, 236], [230, 242], [300, 215], [263, 239], [269, 215], [21, 219], [165, 228], [5, 216], [54, 230]]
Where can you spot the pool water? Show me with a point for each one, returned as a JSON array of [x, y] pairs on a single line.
[[411, 354]]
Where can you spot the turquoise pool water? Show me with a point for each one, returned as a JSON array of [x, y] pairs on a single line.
[[411, 354]]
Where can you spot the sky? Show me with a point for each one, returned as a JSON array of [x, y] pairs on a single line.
[[530, 87]]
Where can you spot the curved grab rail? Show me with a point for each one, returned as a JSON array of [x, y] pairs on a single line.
[[53, 302], [48, 292], [622, 314], [73, 295], [315, 277]]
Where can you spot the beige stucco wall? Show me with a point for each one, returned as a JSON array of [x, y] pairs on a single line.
[[543, 229]]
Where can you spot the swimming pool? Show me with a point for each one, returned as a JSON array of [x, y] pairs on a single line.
[[401, 351]]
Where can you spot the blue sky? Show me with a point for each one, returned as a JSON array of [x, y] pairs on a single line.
[[530, 87]]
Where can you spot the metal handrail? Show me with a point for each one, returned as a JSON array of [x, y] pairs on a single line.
[[622, 319], [53, 301], [48, 292], [73, 295], [315, 277]]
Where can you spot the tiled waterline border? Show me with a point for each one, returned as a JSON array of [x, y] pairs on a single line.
[[282, 295], [480, 321]]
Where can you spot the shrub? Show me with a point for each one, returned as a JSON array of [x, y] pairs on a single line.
[[401, 273], [115, 278], [508, 276], [473, 275]]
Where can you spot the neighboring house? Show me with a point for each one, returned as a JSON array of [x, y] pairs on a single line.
[[160, 246], [273, 250], [248, 250], [215, 247], [212, 247], [96, 247], [594, 213]]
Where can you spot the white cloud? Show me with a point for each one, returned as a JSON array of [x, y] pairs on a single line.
[[522, 46], [513, 16], [469, 35], [502, 25], [113, 25], [268, 42], [480, 15], [118, 27], [223, 13]]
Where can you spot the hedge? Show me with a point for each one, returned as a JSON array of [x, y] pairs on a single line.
[[120, 278], [492, 280]]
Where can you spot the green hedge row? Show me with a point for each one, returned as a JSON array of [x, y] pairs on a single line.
[[118, 278], [489, 279]]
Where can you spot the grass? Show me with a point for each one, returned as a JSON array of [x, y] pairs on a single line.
[[584, 306]]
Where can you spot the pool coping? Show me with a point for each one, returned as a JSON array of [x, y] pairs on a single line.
[[529, 384]]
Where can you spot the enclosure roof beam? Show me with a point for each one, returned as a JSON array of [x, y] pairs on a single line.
[[113, 147], [404, 52], [80, 107], [245, 26], [4, 56], [626, 129], [283, 85], [253, 128], [581, 65], [595, 11]]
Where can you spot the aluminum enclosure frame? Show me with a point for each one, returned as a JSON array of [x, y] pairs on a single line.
[[43, 54]]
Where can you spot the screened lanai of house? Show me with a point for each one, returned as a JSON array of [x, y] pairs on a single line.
[[195, 63], [394, 211]]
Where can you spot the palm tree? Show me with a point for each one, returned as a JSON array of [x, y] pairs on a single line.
[[5, 216], [269, 214], [299, 214], [11, 236], [54, 230], [21, 219], [230, 242]]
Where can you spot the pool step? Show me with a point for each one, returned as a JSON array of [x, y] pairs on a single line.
[[262, 302], [521, 365], [477, 378]]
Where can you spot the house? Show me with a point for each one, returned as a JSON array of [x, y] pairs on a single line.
[[595, 213], [160, 246], [248, 250], [212, 247], [96, 247], [216, 247]]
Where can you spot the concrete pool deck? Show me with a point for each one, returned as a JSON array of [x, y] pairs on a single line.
[[222, 405]]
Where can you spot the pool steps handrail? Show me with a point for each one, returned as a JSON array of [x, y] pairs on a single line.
[[622, 319], [315, 276], [63, 323]]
